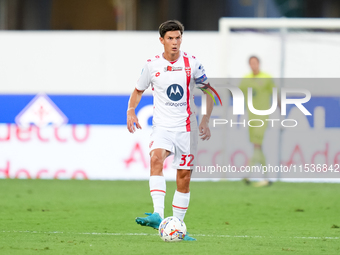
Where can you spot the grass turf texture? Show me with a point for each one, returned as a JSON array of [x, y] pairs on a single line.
[[235, 219]]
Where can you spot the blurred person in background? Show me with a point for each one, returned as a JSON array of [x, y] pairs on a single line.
[[262, 85]]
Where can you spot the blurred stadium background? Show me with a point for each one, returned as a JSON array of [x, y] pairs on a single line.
[[87, 55]]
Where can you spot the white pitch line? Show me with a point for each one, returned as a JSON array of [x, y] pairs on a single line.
[[147, 234]]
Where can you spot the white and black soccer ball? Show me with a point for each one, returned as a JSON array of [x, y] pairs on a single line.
[[172, 229]]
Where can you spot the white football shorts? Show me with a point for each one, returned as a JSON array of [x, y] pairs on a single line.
[[183, 145]]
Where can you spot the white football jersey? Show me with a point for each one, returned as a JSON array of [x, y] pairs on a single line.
[[172, 84]]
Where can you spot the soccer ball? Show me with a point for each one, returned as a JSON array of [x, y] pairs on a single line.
[[172, 229]]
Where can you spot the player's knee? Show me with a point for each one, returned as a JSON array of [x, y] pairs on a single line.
[[156, 161], [185, 178], [183, 183]]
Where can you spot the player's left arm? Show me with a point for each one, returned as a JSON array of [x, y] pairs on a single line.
[[203, 128], [201, 82]]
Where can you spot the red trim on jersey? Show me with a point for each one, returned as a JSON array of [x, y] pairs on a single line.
[[184, 208], [139, 90], [188, 74], [159, 190]]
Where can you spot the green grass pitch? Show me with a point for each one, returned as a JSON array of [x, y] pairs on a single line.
[[98, 217]]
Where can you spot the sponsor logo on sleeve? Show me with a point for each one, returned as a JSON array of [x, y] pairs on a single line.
[[201, 68]]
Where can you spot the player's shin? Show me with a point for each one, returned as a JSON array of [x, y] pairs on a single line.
[[157, 191], [180, 204]]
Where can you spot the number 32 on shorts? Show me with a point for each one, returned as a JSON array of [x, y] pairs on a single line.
[[187, 160]]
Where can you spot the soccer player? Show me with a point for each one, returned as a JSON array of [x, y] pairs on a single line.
[[262, 85], [172, 76]]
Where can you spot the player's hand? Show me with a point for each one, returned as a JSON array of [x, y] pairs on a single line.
[[204, 130], [132, 120]]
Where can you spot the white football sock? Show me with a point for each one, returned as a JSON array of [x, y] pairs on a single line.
[[180, 204], [157, 191]]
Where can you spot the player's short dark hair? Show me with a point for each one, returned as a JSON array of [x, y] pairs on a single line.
[[170, 25], [253, 56]]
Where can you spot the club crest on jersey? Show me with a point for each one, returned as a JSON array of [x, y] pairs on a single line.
[[175, 92], [188, 71], [172, 68]]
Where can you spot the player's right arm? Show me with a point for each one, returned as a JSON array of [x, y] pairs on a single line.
[[142, 84], [131, 118]]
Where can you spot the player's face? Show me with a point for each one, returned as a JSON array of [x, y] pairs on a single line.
[[172, 42], [254, 65]]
